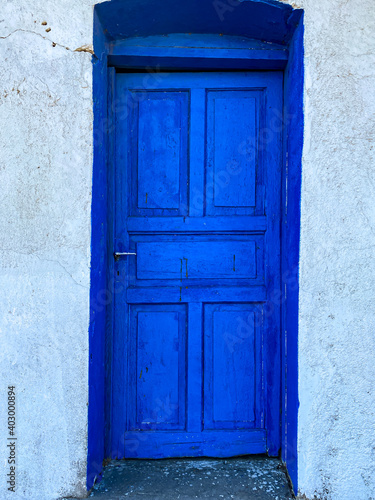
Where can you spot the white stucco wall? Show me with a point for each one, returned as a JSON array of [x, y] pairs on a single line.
[[45, 178], [336, 438]]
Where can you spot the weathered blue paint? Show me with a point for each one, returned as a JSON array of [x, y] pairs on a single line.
[[267, 20], [192, 52], [263, 20], [293, 139], [96, 420], [211, 287]]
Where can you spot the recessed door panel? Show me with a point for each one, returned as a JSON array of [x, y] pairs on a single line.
[[158, 150], [158, 367], [232, 362], [233, 160], [199, 259]]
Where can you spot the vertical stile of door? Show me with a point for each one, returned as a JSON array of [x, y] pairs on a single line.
[[121, 323], [194, 382], [195, 309], [272, 315], [197, 151], [110, 260]]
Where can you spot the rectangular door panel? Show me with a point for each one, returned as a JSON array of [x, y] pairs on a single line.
[[158, 367], [196, 260], [232, 361], [233, 169], [158, 138]]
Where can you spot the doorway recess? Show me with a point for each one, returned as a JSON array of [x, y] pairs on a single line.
[[199, 35]]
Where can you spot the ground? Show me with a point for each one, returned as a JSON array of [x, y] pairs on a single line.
[[255, 478]]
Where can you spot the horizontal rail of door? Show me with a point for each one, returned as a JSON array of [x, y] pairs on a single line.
[[181, 293], [197, 224], [208, 443]]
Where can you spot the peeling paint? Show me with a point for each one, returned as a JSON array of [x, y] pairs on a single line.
[[90, 50]]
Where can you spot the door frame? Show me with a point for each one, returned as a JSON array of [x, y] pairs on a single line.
[[257, 56]]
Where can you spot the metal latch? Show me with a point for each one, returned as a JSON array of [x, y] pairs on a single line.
[[117, 255]]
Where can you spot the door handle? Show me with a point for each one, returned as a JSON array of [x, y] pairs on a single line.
[[118, 255]]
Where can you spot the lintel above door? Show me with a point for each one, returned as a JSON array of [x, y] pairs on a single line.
[[196, 52]]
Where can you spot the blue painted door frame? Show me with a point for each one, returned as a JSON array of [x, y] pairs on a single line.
[[287, 30], [197, 334]]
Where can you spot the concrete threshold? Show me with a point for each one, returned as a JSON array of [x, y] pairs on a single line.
[[252, 477]]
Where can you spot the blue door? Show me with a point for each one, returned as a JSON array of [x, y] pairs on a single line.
[[196, 351]]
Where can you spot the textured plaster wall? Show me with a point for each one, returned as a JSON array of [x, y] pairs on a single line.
[[336, 438], [45, 177], [45, 204]]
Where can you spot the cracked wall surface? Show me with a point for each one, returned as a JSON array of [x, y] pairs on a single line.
[[46, 160], [46, 117]]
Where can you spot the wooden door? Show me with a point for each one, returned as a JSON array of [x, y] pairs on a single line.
[[196, 353]]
